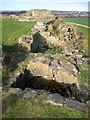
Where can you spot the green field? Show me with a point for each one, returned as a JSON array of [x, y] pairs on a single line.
[[12, 30], [85, 37], [83, 21]]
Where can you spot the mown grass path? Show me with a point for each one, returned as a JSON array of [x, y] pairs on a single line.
[[79, 25]]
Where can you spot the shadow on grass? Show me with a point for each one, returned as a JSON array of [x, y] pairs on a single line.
[[12, 56], [14, 48], [9, 49]]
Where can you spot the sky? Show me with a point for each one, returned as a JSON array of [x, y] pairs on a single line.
[[63, 5]]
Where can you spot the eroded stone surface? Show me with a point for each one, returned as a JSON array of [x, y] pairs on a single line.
[[53, 70], [76, 105], [55, 99], [83, 95], [16, 91], [28, 93], [40, 69], [52, 98]]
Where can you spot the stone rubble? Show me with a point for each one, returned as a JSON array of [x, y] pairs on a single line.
[[51, 98]]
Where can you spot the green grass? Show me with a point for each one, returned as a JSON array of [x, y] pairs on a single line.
[[14, 107], [84, 76], [85, 36], [83, 21], [12, 30]]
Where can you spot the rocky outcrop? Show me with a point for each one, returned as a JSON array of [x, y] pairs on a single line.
[[39, 43], [52, 70], [71, 38], [62, 35], [28, 80], [33, 43], [51, 39], [50, 98]]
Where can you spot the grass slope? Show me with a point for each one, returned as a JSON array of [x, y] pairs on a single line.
[[83, 21], [84, 75], [23, 108], [12, 30], [85, 36]]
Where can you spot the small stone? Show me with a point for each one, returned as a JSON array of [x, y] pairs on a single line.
[[16, 91], [55, 99], [68, 51], [83, 95], [79, 61], [29, 93]]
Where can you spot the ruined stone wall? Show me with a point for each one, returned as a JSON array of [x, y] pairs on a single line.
[[39, 13]]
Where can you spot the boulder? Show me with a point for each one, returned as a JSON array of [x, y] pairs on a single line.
[[53, 70], [55, 99], [63, 76], [40, 69], [83, 95], [29, 93], [16, 91], [39, 43], [50, 39], [76, 105]]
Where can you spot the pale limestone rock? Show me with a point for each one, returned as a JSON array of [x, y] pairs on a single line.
[[40, 69], [65, 77]]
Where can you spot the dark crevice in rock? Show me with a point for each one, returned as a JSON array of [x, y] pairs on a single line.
[[75, 64], [76, 67], [27, 80]]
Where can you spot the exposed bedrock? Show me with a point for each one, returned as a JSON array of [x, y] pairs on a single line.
[[28, 80], [53, 70]]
